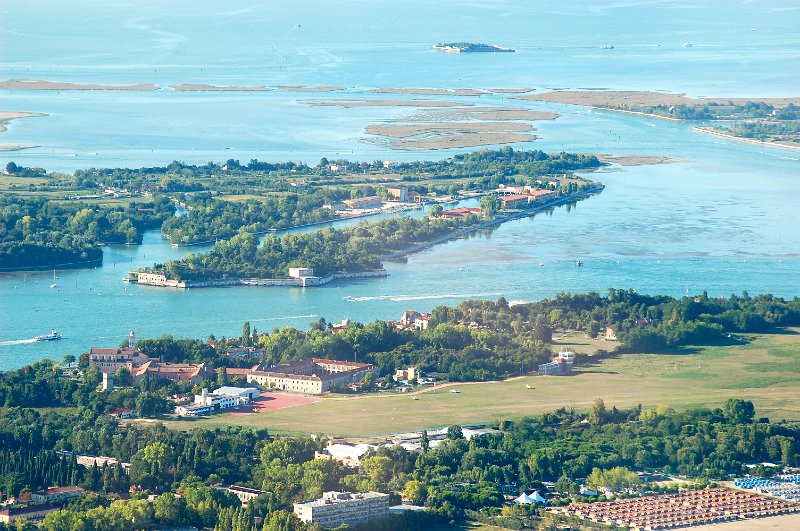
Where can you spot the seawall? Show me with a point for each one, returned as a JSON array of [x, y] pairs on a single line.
[[267, 282]]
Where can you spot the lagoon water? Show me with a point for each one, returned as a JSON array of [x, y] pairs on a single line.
[[723, 219]]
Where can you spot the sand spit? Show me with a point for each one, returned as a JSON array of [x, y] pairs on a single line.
[[431, 92], [511, 90], [201, 87], [614, 98], [7, 116], [36, 84], [493, 114], [409, 130], [303, 88], [6, 148], [348, 104], [461, 140], [746, 140], [636, 160]]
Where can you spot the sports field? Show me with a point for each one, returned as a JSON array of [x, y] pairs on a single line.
[[766, 370]]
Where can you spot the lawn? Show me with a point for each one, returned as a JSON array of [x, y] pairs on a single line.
[[762, 370]]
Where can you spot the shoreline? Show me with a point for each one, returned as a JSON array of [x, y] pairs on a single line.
[[703, 129], [319, 281]]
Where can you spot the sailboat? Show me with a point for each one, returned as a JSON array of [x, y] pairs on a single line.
[[54, 284]]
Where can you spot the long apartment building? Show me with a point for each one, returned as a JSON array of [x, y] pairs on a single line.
[[311, 376], [338, 508]]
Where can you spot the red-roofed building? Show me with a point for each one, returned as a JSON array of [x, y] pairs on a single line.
[[31, 513], [54, 494], [312, 376], [175, 372], [460, 213], [514, 201]]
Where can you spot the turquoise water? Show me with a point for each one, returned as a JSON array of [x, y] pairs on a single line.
[[722, 219]]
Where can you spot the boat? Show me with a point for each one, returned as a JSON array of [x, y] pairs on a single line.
[[688, 45], [54, 284], [578, 263], [52, 336], [348, 298], [607, 47]]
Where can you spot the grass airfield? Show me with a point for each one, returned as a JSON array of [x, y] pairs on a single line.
[[765, 370]]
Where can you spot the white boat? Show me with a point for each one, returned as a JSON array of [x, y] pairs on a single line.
[[54, 284], [607, 47], [52, 336]]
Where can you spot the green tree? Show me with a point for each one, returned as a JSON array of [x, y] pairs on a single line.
[[738, 411], [246, 334]]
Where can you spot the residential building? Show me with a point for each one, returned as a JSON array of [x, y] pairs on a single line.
[[245, 352], [514, 201], [398, 194], [245, 494], [460, 213], [339, 508], [408, 317], [31, 513], [421, 322], [361, 203], [540, 196], [408, 374], [55, 494], [176, 372], [311, 376]]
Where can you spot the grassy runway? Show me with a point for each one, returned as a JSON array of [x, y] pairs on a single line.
[[766, 370]]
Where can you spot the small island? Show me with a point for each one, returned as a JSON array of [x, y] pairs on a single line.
[[471, 47]]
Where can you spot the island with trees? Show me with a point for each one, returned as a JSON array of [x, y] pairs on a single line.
[[57, 219]]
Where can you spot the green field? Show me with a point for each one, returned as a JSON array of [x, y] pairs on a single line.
[[766, 370]]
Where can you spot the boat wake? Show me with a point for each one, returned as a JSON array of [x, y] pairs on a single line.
[[402, 298], [16, 342]]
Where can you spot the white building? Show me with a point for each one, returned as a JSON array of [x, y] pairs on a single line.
[[221, 399], [300, 272], [338, 508]]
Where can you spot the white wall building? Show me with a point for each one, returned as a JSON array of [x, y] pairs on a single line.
[[337, 508]]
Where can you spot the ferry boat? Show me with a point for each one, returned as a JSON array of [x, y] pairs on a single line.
[[52, 336]]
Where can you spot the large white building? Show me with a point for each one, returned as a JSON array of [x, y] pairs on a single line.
[[222, 398], [337, 508], [311, 376]]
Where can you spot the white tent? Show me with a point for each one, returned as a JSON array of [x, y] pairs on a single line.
[[536, 497], [524, 499]]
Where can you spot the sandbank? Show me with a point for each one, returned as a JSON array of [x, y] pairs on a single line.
[[521, 90], [747, 140], [348, 104], [37, 84], [303, 88], [431, 92], [493, 114], [636, 160], [201, 87], [12, 147], [631, 98], [461, 140], [409, 130], [7, 116]]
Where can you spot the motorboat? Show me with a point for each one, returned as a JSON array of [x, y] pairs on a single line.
[[52, 336]]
